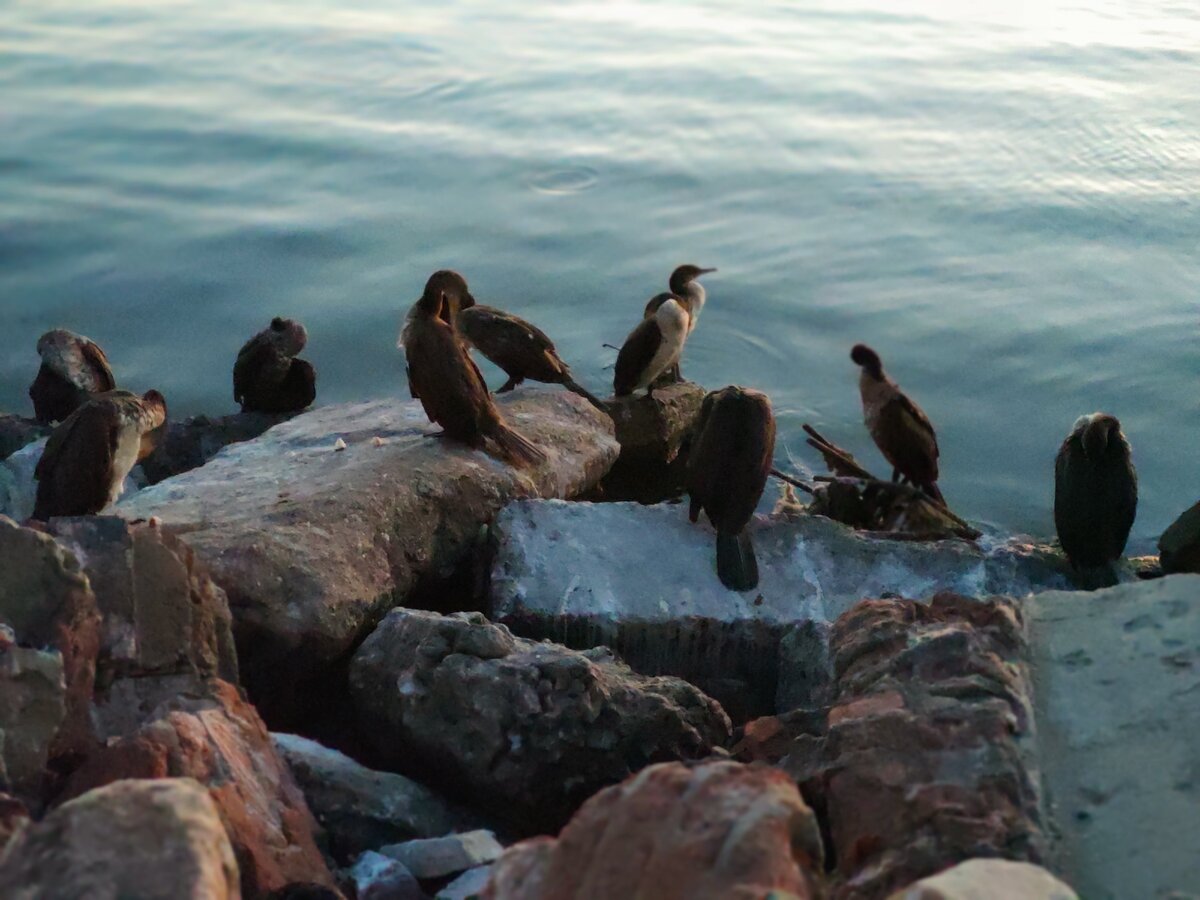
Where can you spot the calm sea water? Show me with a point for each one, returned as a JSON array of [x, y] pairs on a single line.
[[1000, 197]]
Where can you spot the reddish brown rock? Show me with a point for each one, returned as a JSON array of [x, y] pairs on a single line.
[[159, 840], [161, 613], [219, 740], [922, 765], [48, 608], [718, 830]]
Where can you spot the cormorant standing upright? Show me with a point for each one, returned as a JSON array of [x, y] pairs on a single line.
[[900, 428], [442, 375], [1095, 494], [727, 471]]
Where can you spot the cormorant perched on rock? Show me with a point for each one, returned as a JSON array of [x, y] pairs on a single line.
[[522, 350], [442, 375], [88, 456], [267, 377], [727, 471], [652, 348], [683, 286], [1095, 494], [73, 369], [900, 428]]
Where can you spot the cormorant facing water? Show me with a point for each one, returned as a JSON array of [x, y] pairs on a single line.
[[727, 472], [900, 428], [652, 348], [443, 377], [521, 349], [88, 456], [267, 377], [73, 369], [1095, 493]]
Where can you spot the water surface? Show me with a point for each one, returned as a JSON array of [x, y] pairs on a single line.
[[999, 197]]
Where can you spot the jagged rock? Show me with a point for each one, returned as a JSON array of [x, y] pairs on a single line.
[[362, 809], [218, 739], [444, 856], [922, 765], [379, 877], [161, 615], [1117, 698], [191, 443], [46, 604], [720, 829], [313, 544], [532, 728], [153, 840], [17, 431], [1179, 546], [466, 886], [989, 879], [654, 435], [576, 573]]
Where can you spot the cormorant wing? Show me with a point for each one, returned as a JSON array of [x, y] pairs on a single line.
[[637, 351], [84, 444]]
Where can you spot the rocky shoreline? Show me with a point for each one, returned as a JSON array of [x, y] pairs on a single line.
[[331, 655]]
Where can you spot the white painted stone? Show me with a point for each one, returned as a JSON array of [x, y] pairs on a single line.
[[1116, 686]]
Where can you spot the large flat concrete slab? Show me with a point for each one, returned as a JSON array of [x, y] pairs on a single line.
[[1117, 697], [642, 580]]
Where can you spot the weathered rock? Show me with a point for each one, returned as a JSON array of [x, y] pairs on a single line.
[[17, 431], [1179, 546], [161, 615], [989, 879], [922, 765], [153, 840], [219, 740], [379, 877], [46, 604], [444, 856], [1117, 697], [717, 830], [191, 443], [576, 573], [362, 809], [533, 728], [32, 709], [467, 885], [313, 545], [654, 435]]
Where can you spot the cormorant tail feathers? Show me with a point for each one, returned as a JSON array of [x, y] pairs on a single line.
[[587, 395], [736, 565], [517, 449]]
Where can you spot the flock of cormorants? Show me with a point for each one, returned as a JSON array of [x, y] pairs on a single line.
[[104, 432]]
